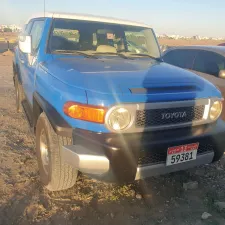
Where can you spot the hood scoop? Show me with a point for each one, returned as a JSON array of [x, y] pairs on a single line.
[[168, 89]]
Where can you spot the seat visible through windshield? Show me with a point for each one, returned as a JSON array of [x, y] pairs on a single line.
[[101, 38]]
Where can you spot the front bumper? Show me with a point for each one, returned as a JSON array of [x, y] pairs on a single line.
[[128, 157]]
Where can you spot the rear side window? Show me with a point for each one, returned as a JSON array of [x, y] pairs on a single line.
[[209, 62], [180, 58]]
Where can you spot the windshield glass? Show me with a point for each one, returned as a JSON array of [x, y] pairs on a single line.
[[71, 36]]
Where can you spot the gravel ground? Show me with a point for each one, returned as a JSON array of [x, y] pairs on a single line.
[[159, 200]]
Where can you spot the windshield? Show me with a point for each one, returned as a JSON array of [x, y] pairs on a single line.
[[73, 36]]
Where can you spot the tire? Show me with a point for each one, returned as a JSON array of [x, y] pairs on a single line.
[[19, 95], [54, 174]]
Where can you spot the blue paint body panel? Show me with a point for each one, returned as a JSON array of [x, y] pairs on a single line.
[[105, 81]]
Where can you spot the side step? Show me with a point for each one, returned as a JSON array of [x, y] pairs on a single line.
[[27, 112]]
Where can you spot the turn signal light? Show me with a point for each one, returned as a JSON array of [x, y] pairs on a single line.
[[85, 112]]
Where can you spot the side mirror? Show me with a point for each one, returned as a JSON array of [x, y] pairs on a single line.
[[222, 74], [25, 44]]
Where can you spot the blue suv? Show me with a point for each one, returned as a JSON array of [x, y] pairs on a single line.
[[100, 108]]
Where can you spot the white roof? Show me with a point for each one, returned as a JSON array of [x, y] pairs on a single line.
[[87, 17]]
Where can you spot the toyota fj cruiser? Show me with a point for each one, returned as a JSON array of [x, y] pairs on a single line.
[[101, 107]]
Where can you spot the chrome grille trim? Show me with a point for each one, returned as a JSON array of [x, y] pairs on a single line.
[[133, 108], [153, 117]]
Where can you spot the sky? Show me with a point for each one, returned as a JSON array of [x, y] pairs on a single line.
[[183, 17]]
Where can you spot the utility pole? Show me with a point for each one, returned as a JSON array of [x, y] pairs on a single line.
[[44, 8]]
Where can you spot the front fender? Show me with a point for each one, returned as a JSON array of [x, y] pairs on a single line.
[[60, 126]]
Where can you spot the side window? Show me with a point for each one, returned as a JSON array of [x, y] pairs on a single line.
[[28, 27], [209, 62], [180, 58], [36, 33], [170, 57]]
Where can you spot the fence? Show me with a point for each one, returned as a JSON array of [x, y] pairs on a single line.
[[6, 45]]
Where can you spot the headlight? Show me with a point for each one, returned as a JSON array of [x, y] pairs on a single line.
[[215, 110], [119, 119]]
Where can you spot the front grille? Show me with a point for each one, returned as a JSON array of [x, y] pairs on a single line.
[[157, 156], [160, 117]]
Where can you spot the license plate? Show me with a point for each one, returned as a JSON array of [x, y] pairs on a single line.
[[181, 154]]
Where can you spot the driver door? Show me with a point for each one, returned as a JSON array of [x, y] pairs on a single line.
[[29, 61]]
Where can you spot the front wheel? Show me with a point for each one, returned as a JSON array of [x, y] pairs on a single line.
[[54, 174]]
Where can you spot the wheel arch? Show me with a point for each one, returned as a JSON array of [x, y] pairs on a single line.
[[37, 110], [58, 123]]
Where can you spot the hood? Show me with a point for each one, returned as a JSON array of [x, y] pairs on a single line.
[[114, 74]]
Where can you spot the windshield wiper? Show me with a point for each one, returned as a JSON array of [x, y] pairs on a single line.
[[76, 52], [149, 56], [113, 53]]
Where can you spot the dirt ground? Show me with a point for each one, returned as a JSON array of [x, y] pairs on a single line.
[[11, 37], [180, 42], [23, 200]]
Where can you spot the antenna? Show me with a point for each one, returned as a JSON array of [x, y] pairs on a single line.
[[44, 8]]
